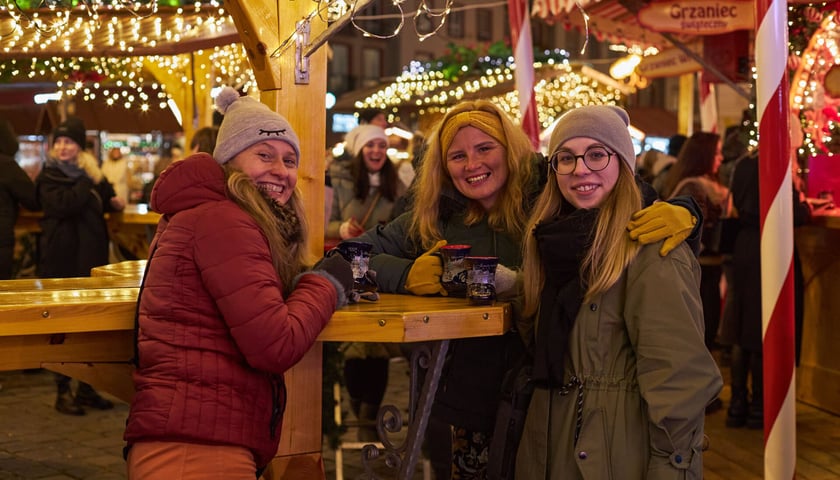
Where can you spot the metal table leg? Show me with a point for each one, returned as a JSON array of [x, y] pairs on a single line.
[[403, 457]]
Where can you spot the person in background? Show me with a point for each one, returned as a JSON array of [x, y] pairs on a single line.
[[364, 191], [75, 197], [695, 174], [367, 116], [478, 179], [115, 169], [227, 304], [621, 374], [742, 327], [16, 189], [659, 170], [204, 140]]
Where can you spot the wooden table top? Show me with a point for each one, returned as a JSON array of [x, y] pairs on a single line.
[[110, 305], [129, 268], [135, 214]]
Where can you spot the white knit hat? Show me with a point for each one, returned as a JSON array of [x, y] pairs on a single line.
[[246, 123], [361, 135], [605, 123]]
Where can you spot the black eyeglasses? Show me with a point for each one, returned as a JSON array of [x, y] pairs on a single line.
[[564, 162]]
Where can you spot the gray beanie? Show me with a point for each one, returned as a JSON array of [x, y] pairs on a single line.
[[605, 123], [247, 122]]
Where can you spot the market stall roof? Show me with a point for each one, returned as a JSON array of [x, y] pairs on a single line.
[[609, 20], [29, 118], [120, 32]]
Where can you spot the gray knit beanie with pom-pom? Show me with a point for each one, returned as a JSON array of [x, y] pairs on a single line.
[[248, 122]]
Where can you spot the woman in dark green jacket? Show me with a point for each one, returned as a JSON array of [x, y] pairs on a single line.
[[475, 183]]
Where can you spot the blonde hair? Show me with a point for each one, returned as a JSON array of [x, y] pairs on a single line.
[[612, 249], [286, 234], [508, 214]]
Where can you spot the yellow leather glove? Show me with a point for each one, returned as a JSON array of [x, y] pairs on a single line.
[[662, 221], [424, 276]]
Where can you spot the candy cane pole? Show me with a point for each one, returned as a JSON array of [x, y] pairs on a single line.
[[776, 241], [523, 55]]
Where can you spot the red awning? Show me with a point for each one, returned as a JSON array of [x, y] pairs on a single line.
[[609, 20]]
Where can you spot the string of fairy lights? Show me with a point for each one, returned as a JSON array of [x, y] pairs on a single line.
[[816, 109], [424, 87], [125, 82], [30, 27]]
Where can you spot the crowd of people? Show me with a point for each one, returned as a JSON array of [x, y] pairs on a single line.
[[615, 286]]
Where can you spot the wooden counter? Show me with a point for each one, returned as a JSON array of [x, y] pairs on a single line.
[[84, 328], [818, 375]]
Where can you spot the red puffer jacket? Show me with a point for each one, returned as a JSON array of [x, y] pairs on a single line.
[[216, 332]]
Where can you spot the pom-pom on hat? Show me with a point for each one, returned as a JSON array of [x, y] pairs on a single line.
[[72, 128], [361, 135], [604, 123], [247, 122]]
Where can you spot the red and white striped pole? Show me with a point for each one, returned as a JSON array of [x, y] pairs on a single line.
[[777, 309], [523, 55]]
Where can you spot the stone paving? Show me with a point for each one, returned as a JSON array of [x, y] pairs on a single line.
[[38, 443]]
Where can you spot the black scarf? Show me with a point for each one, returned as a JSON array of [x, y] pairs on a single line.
[[562, 243], [72, 170]]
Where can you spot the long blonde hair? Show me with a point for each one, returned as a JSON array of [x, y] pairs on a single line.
[[507, 215], [284, 226], [612, 249]]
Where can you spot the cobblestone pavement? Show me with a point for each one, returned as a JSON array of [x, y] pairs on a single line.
[[38, 443]]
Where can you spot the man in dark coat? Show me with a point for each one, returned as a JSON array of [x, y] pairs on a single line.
[[16, 188]]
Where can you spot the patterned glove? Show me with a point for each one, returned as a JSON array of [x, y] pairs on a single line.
[[662, 221], [424, 276]]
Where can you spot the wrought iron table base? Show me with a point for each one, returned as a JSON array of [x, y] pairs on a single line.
[[402, 457]]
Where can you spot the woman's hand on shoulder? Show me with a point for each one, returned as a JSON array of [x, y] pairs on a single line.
[[662, 221]]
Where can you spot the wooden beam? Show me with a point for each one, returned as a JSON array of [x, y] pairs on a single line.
[[263, 29]]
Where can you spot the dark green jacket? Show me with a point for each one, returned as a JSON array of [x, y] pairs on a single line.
[[469, 388]]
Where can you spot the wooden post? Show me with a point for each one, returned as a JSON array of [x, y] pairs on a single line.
[[685, 112], [262, 29]]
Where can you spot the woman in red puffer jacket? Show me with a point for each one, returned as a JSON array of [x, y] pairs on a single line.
[[226, 305]]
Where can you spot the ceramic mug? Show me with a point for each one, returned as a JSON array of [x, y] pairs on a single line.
[[481, 279], [454, 277]]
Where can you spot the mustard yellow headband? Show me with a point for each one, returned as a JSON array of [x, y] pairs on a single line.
[[487, 122]]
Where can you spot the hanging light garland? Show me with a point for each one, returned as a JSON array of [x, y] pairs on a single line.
[[124, 81], [433, 87], [814, 51]]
